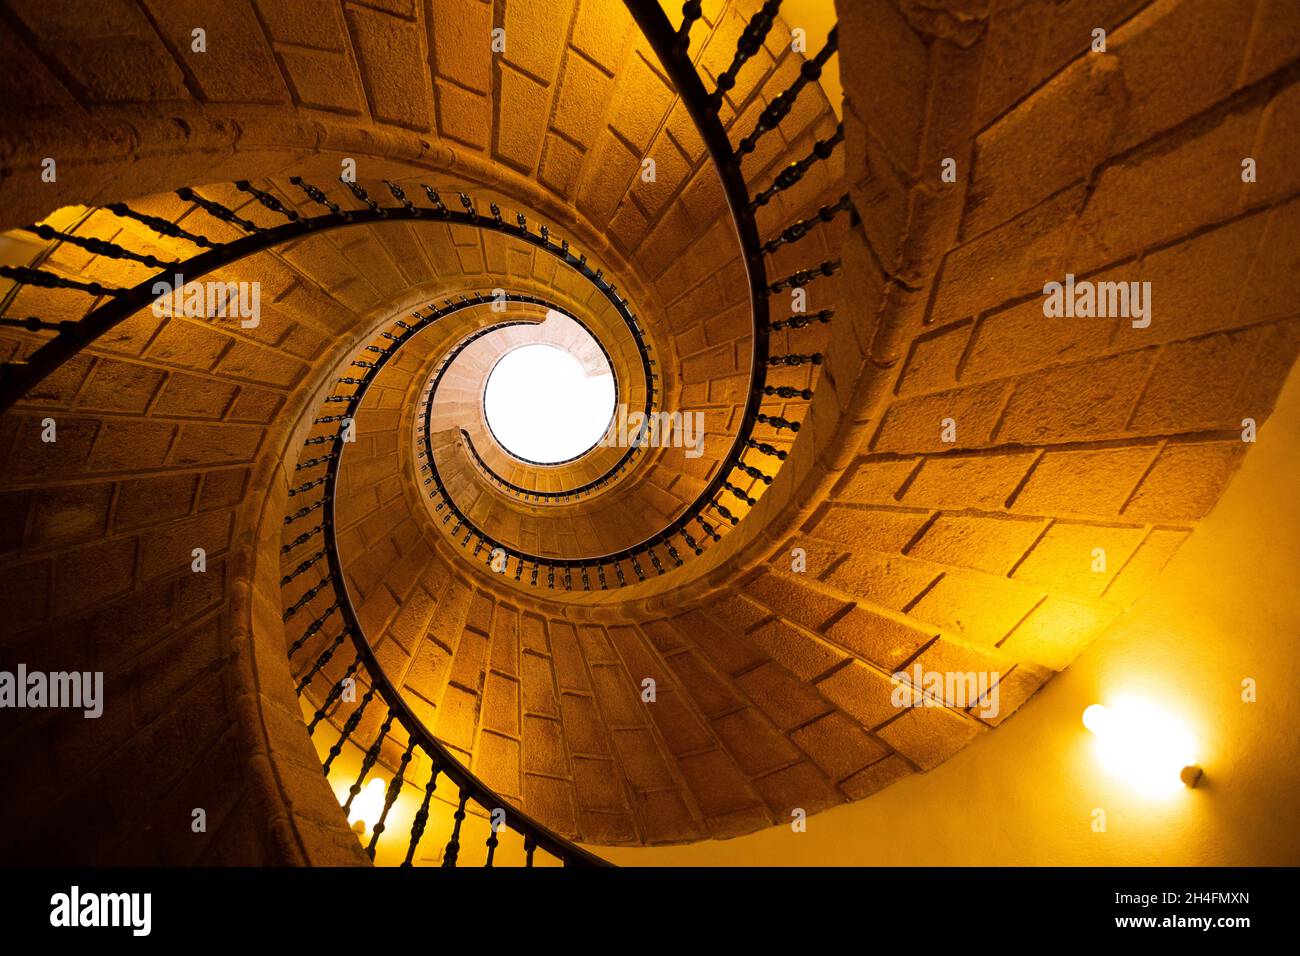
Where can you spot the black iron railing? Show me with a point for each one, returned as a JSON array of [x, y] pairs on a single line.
[[621, 465], [310, 545], [576, 493], [670, 46], [740, 476], [316, 552], [18, 378], [749, 463]]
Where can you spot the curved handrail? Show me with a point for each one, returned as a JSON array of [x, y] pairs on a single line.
[[666, 42], [610, 473], [72, 337], [467, 782], [470, 786], [18, 378], [671, 48], [532, 493]]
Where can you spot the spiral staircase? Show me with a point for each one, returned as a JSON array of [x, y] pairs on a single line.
[[495, 657]]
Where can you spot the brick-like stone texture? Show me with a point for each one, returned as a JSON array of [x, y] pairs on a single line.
[[1014, 481]]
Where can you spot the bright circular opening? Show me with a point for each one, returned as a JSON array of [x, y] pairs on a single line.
[[543, 406]]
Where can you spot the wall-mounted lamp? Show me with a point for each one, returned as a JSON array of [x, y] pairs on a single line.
[[1146, 747], [367, 807]]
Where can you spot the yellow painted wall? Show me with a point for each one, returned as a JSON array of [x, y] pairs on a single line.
[[1226, 608]]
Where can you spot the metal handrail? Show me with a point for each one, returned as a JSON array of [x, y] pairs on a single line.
[[605, 478], [467, 782], [670, 46], [18, 378]]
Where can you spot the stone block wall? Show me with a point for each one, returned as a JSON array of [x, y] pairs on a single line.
[[964, 458]]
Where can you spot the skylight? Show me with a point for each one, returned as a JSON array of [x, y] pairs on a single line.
[[542, 405]]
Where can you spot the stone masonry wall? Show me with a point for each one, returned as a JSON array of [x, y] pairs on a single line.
[[975, 553]]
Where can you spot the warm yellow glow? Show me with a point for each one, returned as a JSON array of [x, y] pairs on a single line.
[[18, 247], [368, 805], [1142, 745]]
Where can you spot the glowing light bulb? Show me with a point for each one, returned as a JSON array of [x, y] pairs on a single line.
[[1146, 747], [1097, 718], [367, 807]]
